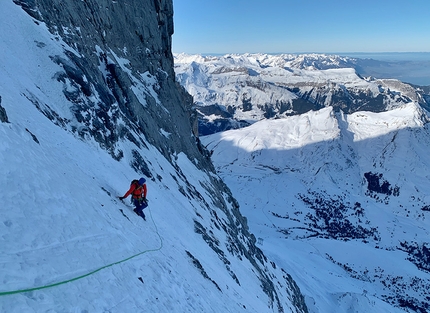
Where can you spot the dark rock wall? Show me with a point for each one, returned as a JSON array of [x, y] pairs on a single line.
[[103, 32]]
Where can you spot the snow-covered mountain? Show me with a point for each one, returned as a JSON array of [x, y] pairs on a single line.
[[233, 91], [88, 102], [340, 201], [336, 203]]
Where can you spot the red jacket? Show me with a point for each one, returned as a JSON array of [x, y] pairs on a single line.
[[137, 191]]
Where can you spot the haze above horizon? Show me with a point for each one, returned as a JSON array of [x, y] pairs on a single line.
[[300, 26]]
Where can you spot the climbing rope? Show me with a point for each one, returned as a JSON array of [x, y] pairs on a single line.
[[4, 293]]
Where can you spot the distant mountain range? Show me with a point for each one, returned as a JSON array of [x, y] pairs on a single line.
[[232, 91]]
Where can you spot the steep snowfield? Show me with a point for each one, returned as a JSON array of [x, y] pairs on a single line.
[[67, 243], [350, 242]]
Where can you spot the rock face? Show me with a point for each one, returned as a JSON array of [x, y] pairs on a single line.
[[119, 49]]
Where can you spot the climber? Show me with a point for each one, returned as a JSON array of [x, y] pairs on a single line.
[[138, 194]]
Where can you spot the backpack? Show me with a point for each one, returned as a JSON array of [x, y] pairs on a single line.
[[138, 188]]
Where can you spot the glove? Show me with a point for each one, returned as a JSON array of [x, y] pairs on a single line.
[[121, 198]]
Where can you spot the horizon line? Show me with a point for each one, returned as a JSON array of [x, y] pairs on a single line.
[[344, 52]]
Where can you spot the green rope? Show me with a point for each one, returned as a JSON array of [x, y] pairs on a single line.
[[4, 293]]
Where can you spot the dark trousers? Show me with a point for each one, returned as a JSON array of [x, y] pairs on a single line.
[[140, 204]]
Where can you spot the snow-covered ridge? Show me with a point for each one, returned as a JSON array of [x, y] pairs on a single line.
[[283, 134], [318, 126], [366, 125]]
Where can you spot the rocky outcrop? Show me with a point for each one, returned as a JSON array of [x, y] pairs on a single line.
[[3, 114]]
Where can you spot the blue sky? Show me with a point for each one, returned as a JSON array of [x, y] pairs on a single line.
[[274, 26]]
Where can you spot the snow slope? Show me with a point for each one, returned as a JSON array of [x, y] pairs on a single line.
[[339, 201], [68, 243]]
